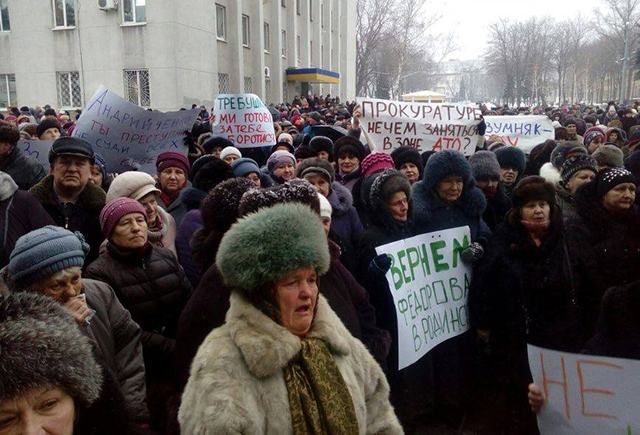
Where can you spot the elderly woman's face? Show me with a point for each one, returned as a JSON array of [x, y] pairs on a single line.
[[172, 180], [450, 188], [621, 198], [296, 294], [130, 232], [62, 286], [40, 410], [150, 204]]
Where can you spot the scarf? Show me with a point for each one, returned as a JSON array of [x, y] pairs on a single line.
[[156, 232], [319, 400]]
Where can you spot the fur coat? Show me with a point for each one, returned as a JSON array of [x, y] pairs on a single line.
[[237, 384]]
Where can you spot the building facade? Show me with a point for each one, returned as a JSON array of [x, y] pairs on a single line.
[[168, 54]]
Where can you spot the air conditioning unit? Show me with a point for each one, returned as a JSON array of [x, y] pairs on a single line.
[[107, 5], [267, 72]]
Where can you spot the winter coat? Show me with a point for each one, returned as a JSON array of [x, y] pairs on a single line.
[[83, 215], [191, 223], [497, 208], [432, 214], [566, 202], [117, 338], [349, 180], [152, 286], [25, 170], [20, 213], [177, 208], [346, 227], [237, 383]]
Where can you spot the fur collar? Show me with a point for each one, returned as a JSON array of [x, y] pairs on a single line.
[[268, 347], [550, 173], [425, 202], [340, 199], [91, 198]]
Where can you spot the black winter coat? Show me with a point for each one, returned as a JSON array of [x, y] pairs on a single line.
[[153, 287], [25, 170], [497, 208]]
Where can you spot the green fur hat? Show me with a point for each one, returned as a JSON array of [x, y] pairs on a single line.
[[262, 247]]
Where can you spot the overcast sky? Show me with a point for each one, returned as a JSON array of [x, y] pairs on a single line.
[[470, 19]]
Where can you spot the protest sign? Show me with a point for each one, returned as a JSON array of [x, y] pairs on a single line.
[[392, 124], [128, 136], [36, 149], [244, 120], [524, 132], [429, 284], [586, 394]]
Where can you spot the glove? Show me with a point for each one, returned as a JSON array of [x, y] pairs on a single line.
[[472, 254], [380, 264]]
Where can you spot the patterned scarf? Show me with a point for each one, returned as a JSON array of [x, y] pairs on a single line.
[[319, 399]]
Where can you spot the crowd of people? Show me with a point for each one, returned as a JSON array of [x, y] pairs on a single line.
[[238, 290]]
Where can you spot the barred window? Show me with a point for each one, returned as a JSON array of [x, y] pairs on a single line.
[[136, 87], [8, 95], [69, 90], [64, 13], [134, 11], [5, 25], [223, 83], [221, 22], [248, 86]]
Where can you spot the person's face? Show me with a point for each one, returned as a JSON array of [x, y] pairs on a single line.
[[398, 206], [450, 188], [620, 198], [320, 183], [71, 172], [536, 211], [130, 232], [489, 186], [286, 171], [508, 175], [5, 149], [323, 155], [216, 151], [296, 294], [571, 129], [347, 163], [50, 134], [411, 171], [595, 144], [326, 224], [150, 204], [255, 179], [581, 177], [62, 286], [231, 158], [96, 175], [172, 180], [43, 410], [613, 136]]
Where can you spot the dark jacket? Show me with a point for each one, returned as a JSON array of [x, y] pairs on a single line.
[[346, 227], [83, 215], [117, 338], [348, 180], [20, 213], [191, 222], [24, 170], [566, 202], [152, 286], [497, 208]]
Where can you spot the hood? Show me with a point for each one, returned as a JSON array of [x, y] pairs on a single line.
[[340, 199], [192, 197], [7, 186]]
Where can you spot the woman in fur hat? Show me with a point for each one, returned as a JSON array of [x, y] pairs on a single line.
[[283, 362], [525, 291]]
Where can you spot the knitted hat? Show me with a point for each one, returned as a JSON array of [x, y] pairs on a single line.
[[610, 178], [348, 144], [511, 157], [610, 156], [230, 151], [444, 164], [262, 247], [316, 166], [303, 152], [115, 209], [296, 190], [216, 142], [285, 138], [210, 173], [244, 166], [325, 206], [577, 163], [404, 155], [43, 252], [376, 162], [321, 143], [592, 134], [563, 150], [484, 164], [533, 188], [220, 207], [41, 346], [45, 125], [172, 159], [131, 184], [279, 158], [102, 164], [71, 146]]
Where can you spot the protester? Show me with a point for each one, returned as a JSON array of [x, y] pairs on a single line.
[[348, 153], [608, 156], [248, 168], [407, 160], [173, 173], [24, 170], [512, 162], [99, 175], [230, 155], [322, 146], [48, 129], [281, 166], [576, 171], [486, 171]]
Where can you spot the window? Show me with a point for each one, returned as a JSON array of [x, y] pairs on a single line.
[[69, 90], [245, 31], [248, 86], [5, 26], [310, 10], [298, 7], [8, 95], [283, 3], [136, 87], [134, 11], [298, 48], [284, 43], [64, 13], [223, 83], [321, 14], [221, 22], [267, 38]]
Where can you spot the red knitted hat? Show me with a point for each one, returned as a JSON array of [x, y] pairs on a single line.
[[115, 209], [376, 162], [172, 159]]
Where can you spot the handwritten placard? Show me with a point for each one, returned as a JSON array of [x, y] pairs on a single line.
[[524, 132], [244, 120], [36, 149]]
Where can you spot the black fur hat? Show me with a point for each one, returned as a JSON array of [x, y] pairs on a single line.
[[299, 191], [533, 188], [404, 155]]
